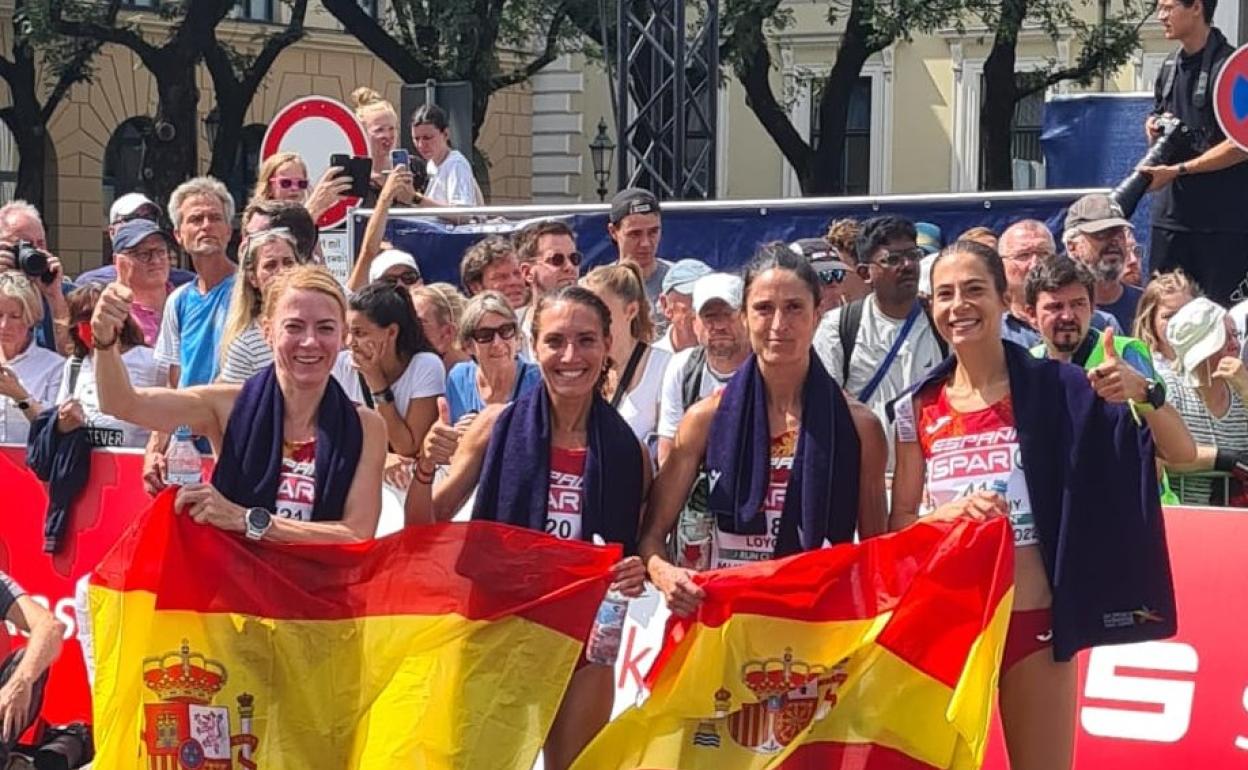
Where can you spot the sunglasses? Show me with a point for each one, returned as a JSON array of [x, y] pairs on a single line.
[[286, 183], [484, 335], [896, 258], [556, 260], [407, 277], [832, 275]]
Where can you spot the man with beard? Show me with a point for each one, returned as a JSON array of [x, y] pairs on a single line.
[[879, 346], [697, 372], [1022, 246], [1096, 235]]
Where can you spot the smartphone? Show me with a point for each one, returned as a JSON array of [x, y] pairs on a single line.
[[359, 169], [400, 157]]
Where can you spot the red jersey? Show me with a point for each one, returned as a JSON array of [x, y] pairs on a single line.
[[566, 493], [296, 486], [731, 550]]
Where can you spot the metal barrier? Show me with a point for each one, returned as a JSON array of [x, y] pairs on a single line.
[[1213, 476]]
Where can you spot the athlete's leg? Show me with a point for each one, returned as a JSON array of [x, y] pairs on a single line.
[[586, 707], [1038, 699]]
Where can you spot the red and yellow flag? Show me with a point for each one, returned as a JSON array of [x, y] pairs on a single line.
[[448, 646], [878, 656]]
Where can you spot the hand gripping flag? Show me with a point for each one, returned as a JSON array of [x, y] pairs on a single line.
[[880, 656], [447, 646]]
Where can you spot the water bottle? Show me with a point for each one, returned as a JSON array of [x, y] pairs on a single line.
[[182, 462], [608, 631], [694, 535]]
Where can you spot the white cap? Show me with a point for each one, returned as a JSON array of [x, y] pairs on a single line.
[[127, 205], [388, 259], [1196, 332], [717, 286]]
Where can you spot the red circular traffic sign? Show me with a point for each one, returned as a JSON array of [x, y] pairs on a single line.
[[316, 127], [1230, 98]]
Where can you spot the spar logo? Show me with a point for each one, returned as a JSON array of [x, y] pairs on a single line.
[[185, 731], [791, 694]]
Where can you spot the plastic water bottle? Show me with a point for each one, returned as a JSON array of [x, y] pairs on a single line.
[[182, 461], [608, 631]]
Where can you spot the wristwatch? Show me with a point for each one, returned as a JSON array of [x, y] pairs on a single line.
[[23, 405], [1182, 169], [258, 522], [384, 396], [1154, 396]]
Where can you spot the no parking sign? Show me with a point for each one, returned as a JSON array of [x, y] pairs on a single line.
[[1230, 96], [316, 127]]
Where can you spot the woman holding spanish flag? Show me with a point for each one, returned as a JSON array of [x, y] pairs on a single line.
[[995, 432], [558, 459], [787, 461]]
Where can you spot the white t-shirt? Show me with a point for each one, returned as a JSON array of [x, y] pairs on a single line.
[[671, 401], [452, 182], [39, 371], [640, 406], [104, 430], [425, 377]]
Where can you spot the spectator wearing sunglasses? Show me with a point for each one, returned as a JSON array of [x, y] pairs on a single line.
[[879, 346], [397, 266], [830, 268], [843, 235], [548, 261], [284, 177], [490, 332]]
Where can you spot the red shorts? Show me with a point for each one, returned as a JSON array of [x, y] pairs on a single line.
[[1030, 631]]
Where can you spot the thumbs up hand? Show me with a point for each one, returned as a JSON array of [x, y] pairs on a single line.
[[442, 439], [1113, 379]]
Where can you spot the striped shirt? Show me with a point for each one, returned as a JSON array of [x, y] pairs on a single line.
[[1230, 431], [247, 354]]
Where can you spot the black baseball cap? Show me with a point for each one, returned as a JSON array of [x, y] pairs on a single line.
[[632, 200]]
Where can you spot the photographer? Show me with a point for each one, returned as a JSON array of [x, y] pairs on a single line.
[[21, 225], [1200, 217]]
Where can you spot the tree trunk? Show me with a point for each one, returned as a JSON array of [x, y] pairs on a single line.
[[230, 114], [825, 175], [172, 154], [996, 114]]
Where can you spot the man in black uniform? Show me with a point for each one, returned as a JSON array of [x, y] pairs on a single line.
[[1200, 215]]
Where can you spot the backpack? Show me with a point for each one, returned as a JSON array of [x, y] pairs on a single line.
[[851, 320], [691, 378]]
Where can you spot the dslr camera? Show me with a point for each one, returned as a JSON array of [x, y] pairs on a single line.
[[33, 262], [1176, 141]]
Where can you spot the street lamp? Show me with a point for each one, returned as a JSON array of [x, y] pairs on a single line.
[[212, 121], [601, 150]]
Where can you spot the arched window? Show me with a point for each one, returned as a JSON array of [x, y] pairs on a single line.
[[246, 163], [8, 164], [123, 159]]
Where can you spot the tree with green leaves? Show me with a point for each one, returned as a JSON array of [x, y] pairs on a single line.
[[869, 27], [172, 154], [1104, 46], [29, 72], [449, 40]]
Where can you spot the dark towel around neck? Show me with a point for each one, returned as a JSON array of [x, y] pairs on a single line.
[[515, 478], [250, 462], [822, 498]]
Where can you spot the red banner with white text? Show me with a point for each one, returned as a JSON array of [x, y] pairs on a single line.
[[1180, 702]]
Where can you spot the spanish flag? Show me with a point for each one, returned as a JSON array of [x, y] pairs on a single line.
[[880, 656], [447, 646]]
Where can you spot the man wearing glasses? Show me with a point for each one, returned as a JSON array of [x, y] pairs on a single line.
[[1023, 245], [1096, 235], [548, 260], [142, 253], [879, 346], [830, 268]]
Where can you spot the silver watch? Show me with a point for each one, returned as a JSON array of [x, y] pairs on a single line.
[[258, 522]]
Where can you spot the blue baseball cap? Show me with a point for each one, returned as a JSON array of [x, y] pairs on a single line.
[[927, 237], [683, 275], [131, 234]]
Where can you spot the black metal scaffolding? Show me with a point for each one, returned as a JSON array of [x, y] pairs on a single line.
[[667, 87]]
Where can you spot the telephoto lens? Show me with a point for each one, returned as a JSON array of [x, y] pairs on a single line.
[[33, 262], [1175, 140]]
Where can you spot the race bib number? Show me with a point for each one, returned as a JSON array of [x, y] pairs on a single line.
[[1024, 525], [565, 526]]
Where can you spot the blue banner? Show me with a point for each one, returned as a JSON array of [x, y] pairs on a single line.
[[724, 237]]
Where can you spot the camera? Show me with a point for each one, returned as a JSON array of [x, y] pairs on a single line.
[[1176, 141], [33, 262]]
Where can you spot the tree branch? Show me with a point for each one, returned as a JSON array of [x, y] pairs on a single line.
[[376, 39], [549, 53], [123, 36], [259, 68]]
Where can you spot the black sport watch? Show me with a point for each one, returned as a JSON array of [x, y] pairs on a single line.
[[1155, 394], [258, 522]]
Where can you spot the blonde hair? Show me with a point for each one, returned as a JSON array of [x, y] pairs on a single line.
[[477, 308], [246, 302], [268, 168], [448, 303], [1162, 286], [368, 102], [623, 279], [304, 278], [15, 285]]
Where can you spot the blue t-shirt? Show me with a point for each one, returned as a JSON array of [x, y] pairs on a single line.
[[1123, 308], [190, 332], [463, 397]]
